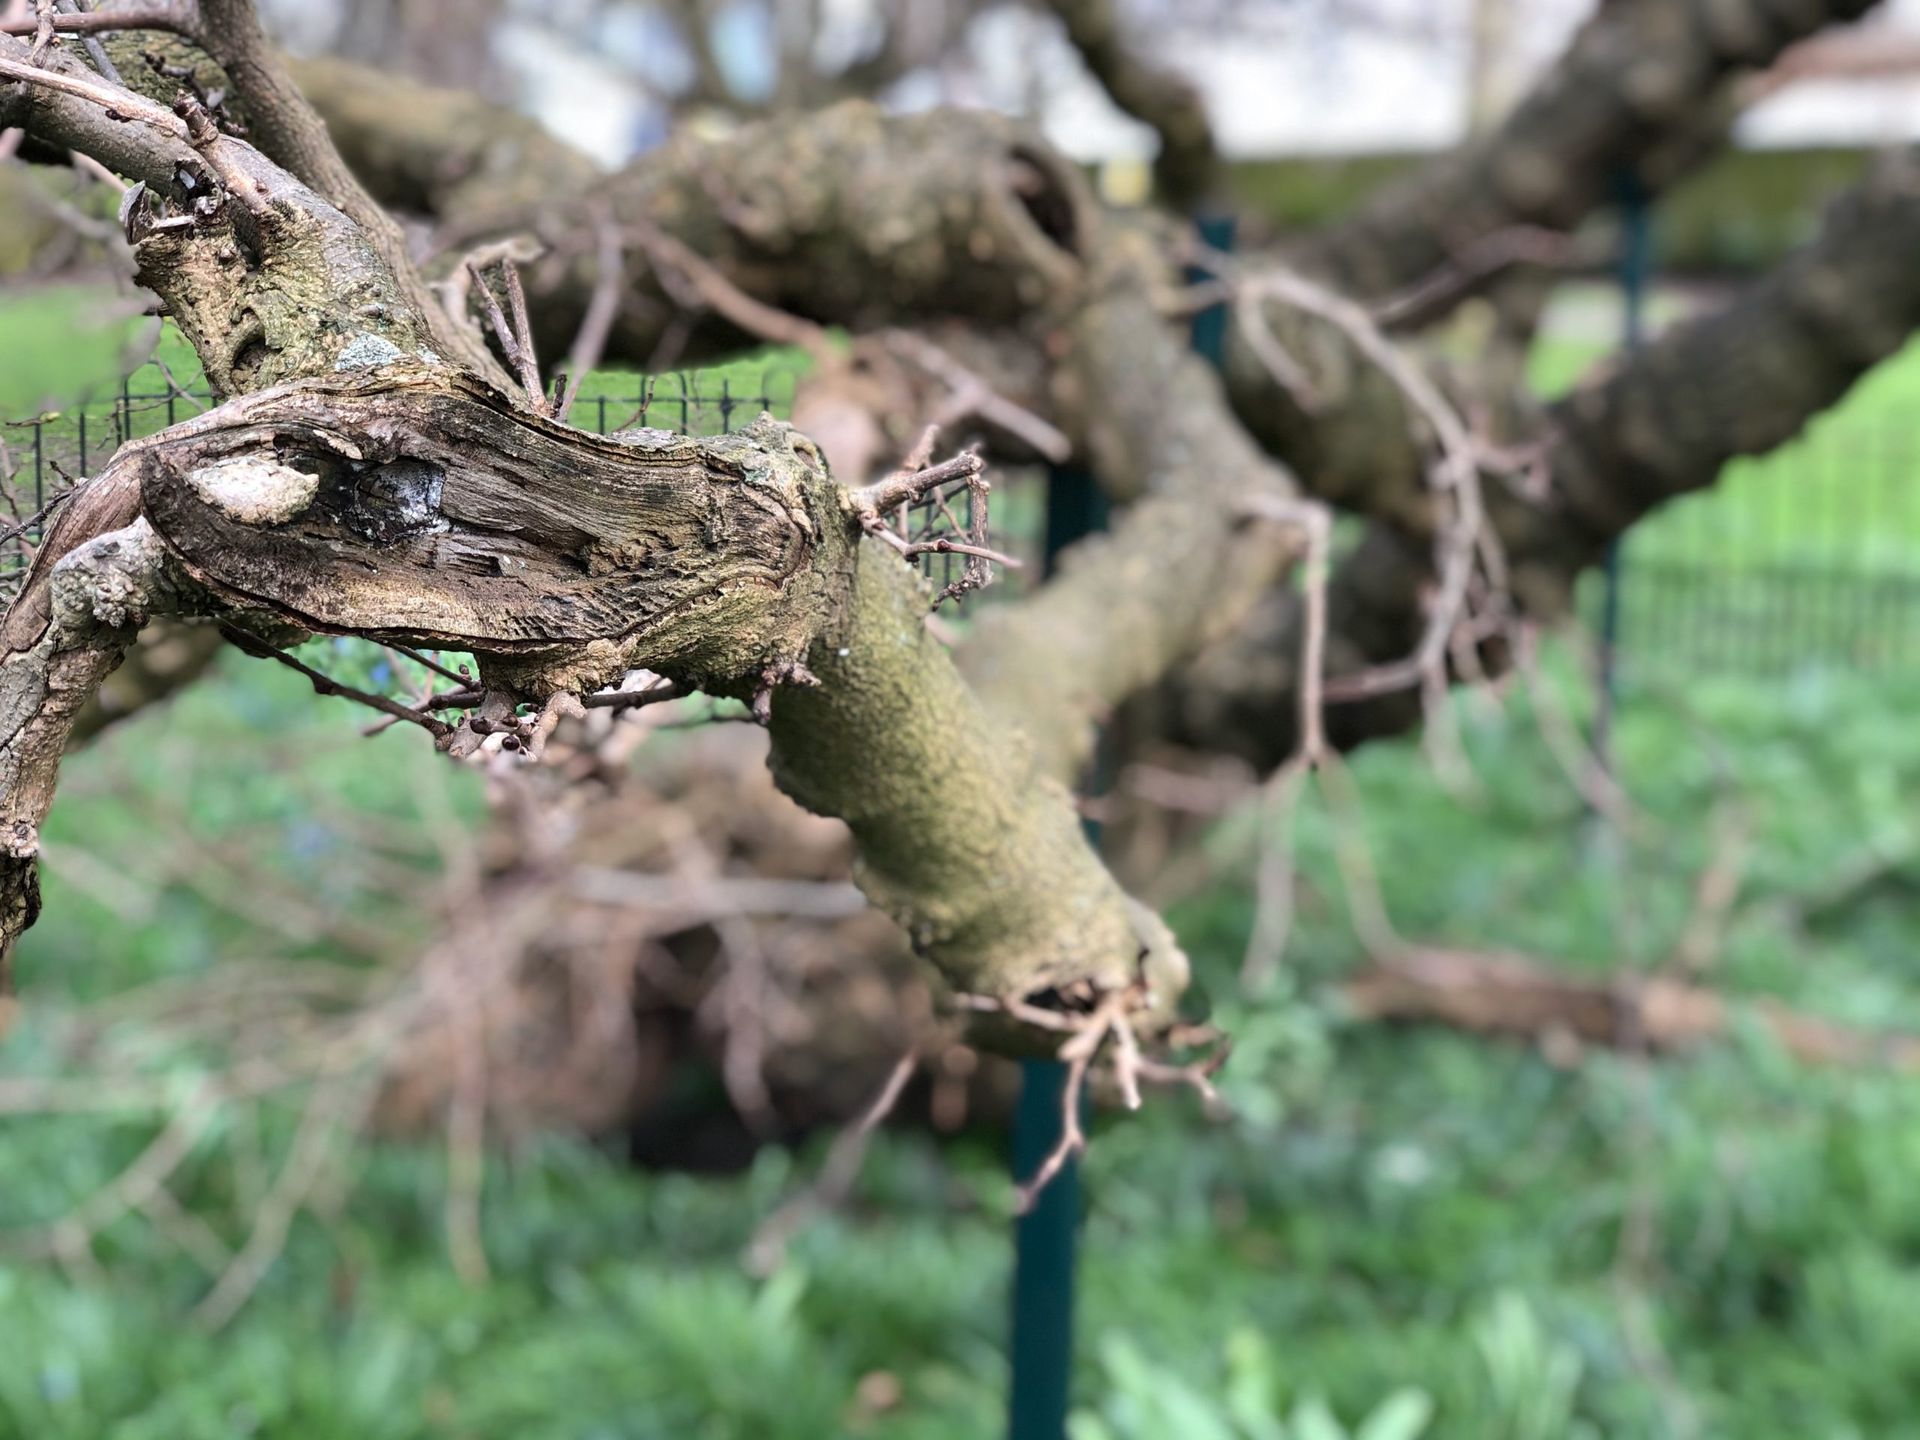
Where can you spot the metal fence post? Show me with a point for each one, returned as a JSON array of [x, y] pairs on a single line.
[[1636, 267], [1046, 1237]]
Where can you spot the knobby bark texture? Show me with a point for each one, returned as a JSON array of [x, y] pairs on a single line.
[[96, 598], [856, 219]]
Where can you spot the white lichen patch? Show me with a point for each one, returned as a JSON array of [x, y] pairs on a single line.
[[365, 351], [254, 490]]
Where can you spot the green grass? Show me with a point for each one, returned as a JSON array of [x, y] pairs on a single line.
[[1390, 1209], [1391, 1213], [57, 342]]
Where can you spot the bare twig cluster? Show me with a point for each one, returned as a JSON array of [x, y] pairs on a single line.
[[885, 508], [515, 337], [1104, 1025]]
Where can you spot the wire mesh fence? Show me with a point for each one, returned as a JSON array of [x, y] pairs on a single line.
[[42, 455], [1810, 554]]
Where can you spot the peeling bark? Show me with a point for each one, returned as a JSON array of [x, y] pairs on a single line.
[[413, 503]]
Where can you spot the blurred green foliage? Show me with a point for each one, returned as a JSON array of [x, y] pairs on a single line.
[[1402, 1235], [1740, 212]]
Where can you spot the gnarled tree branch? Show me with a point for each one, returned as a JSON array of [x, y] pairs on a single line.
[[1638, 85], [1186, 170], [386, 494]]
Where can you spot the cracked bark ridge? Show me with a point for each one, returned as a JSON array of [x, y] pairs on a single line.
[[406, 502]]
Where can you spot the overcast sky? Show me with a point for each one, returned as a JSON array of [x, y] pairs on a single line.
[[1307, 81]]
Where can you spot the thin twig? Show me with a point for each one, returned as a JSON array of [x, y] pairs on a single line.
[[769, 1244], [421, 658], [1072, 1140], [515, 341], [602, 310], [1274, 880], [96, 52], [324, 684], [177, 18]]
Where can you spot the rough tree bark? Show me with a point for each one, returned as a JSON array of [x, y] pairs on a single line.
[[357, 482]]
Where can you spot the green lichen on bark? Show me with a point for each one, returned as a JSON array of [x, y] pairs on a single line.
[[963, 839]]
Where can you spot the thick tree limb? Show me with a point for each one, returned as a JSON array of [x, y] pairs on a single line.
[[387, 495], [267, 279], [95, 598], [444, 153], [1747, 378], [1353, 431], [1654, 425], [176, 16], [846, 216], [1186, 170], [957, 215], [394, 504], [286, 129], [1511, 996], [1638, 84], [1183, 565], [963, 839]]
